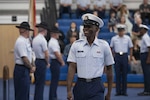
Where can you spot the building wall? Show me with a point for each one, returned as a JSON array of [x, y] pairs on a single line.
[[8, 36]]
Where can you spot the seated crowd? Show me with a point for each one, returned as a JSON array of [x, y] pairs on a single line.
[[118, 14], [116, 6]]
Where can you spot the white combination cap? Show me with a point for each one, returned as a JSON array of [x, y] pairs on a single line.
[[121, 26], [90, 19], [144, 26]]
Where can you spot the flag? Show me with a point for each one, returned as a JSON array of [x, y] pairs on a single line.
[[32, 22], [32, 15]]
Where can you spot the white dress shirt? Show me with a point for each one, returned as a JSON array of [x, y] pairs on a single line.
[[83, 3], [22, 49], [90, 60], [145, 43], [53, 46], [66, 2], [99, 3], [121, 44], [39, 46], [116, 2]]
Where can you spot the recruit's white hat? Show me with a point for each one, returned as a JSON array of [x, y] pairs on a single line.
[[121, 26], [144, 26], [92, 19]]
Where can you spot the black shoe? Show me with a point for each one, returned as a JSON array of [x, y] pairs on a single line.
[[117, 94], [144, 94], [125, 94]]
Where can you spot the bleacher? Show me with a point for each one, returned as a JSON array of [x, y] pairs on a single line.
[[64, 25], [131, 78]]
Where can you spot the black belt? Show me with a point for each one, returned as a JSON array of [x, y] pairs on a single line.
[[40, 59], [53, 59], [20, 65], [144, 53], [89, 80], [121, 53]]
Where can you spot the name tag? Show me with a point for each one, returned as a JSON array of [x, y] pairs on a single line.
[[80, 51], [98, 52]]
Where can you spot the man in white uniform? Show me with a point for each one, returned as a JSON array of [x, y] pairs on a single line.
[[23, 63], [42, 59], [145, 58], [56, 62], [120, 45], [89, 56]]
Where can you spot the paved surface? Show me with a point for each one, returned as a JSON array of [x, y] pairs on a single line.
[[132, 93]]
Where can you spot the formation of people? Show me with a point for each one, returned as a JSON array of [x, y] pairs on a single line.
[[88, 57]]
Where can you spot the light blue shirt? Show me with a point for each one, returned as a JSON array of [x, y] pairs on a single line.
[[53, 46], [90, 60], [116, 2], [39, 46], [99, 3], [83, 3], [121, 44], [66, 2], [22, 49], [145, 43]]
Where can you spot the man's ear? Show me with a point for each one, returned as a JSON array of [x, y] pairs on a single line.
[[97, 32], [97, 29]]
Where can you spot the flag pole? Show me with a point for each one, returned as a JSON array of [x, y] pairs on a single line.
[[32, 16], [32, 22]]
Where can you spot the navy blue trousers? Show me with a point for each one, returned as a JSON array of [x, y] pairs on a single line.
[[121, 70], [146, 72], [39, 78], [21, 82], [89, 90], [55, 73]]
